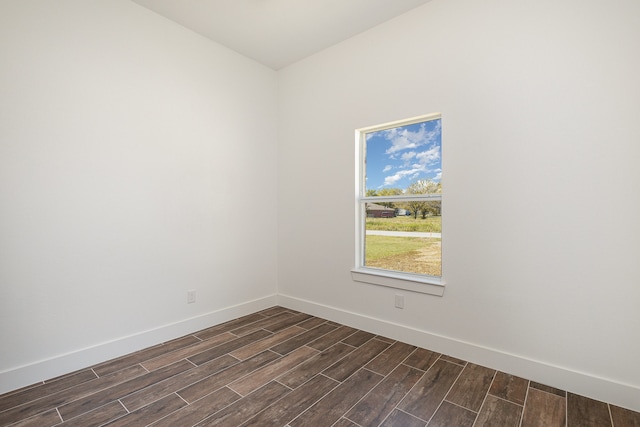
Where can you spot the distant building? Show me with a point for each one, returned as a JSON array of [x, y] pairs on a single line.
[[379, 211]]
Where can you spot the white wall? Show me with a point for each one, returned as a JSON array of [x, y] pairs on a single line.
[[540, 104], [130, 150], [130, 146]]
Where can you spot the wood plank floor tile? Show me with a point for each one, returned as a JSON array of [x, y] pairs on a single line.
[[305, 371], [285, 323], [452, 359], [222, 349], [422, 359], [95, 400], [273, 311], [386, 361], [259, 346], [45, 419], [343, 422], [194, 413], [330, 408], [624, 417], [244, 330], [509, 387], [205, 334], [346, 366], [262, 376], [27, 387], [302, 339], [358, 338], [312, 323], [544, 410], [184, 379], [185, 352], [71, 376], [585, 412], [243, 409], [497, 412], [332, 338], [292, 405], [385, 339], [142, 355], [62, 377], [425, 398], [449, 415], [41, 390], [35, 407], [471, 387], [150, 413], [548, 389], [321, 373], [208, 385], [381, 401], [97, 417], [402, 419]]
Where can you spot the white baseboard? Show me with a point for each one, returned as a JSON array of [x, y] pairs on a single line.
[[78, 359], [603, 389], [623, 395]]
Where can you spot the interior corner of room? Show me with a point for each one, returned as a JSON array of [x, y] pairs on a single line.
[[154, 182]]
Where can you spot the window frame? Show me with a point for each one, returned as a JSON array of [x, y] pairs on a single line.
[[414, 282]]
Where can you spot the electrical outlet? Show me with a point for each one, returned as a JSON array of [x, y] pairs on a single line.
[[191, 296], [399, 301]]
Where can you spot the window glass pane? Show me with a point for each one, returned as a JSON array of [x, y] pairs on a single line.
[[405, 242], [400, 234], [397, 158]]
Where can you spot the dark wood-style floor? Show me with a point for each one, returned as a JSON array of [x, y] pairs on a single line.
[[279, 367]]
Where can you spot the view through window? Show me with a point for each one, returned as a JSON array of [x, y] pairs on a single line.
[[400, 196]]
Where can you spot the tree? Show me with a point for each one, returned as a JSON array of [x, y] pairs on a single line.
[[434, 207], [415, 206], [424, 186], [389, 192]]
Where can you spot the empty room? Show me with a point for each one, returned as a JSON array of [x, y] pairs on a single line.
[[319, 212]]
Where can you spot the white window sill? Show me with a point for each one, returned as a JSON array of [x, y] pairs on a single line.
[[406, 281]]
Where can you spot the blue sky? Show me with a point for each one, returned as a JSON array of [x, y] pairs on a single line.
[[399, 156]]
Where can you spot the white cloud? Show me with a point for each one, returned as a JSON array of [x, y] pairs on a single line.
[[408, 156], [403, 139], [411, 173], [429, 156], [412, 154]]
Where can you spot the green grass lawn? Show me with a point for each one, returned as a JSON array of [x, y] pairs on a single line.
[[431, 224], [407, 254], [380, 247]]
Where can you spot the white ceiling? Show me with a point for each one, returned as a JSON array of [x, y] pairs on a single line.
[[279, 32]]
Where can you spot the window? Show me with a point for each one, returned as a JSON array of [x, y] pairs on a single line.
[[399, 205]]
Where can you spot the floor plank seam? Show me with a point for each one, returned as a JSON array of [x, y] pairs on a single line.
[[317, 400], [459, 406], [447, 393]]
